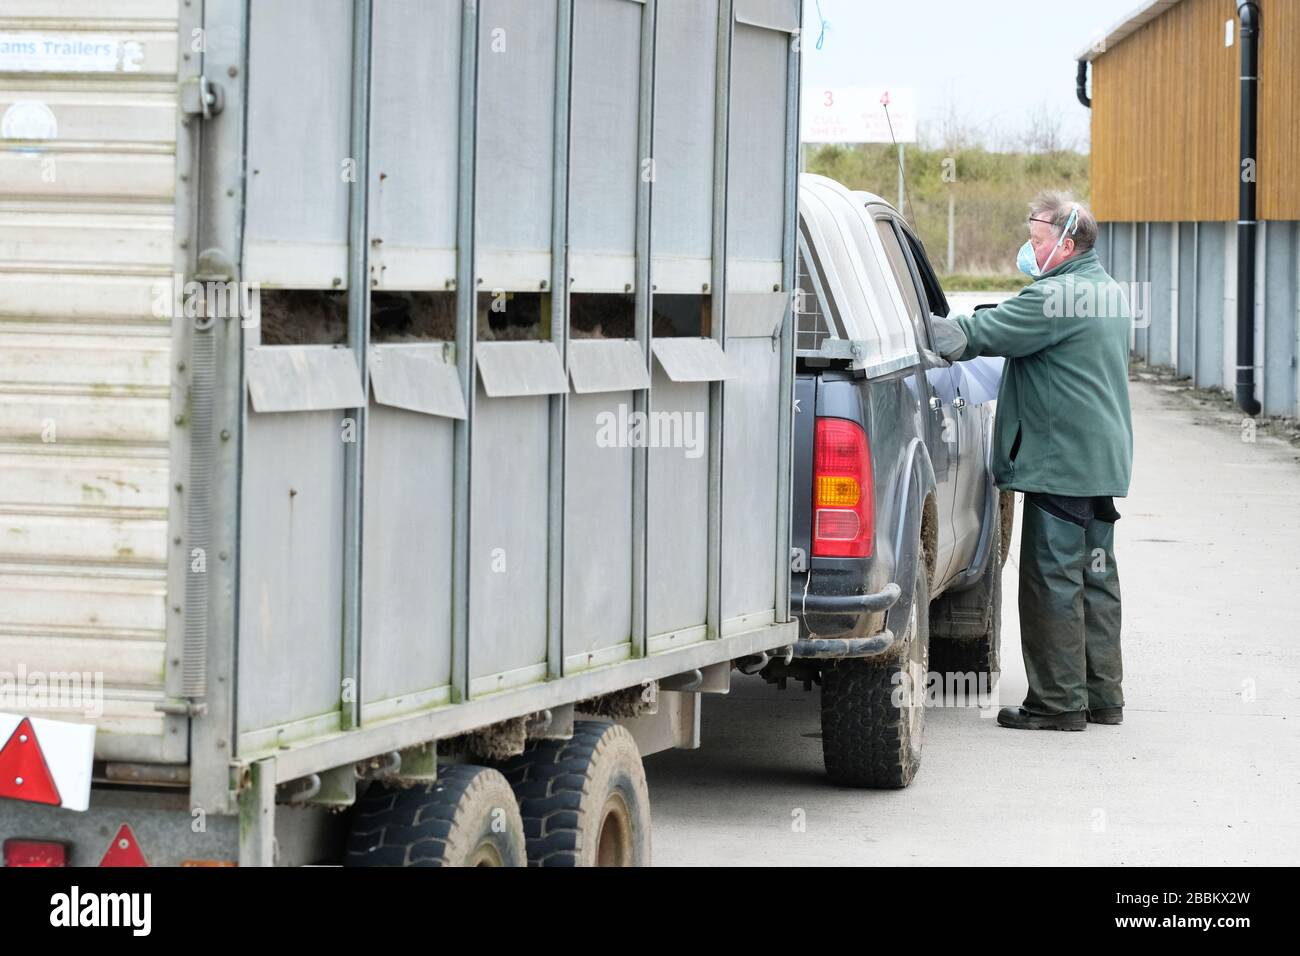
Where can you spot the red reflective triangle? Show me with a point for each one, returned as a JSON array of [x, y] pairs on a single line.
[[124, 850], [24, 774]]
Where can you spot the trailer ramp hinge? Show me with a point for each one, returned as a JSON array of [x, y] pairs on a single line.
[[201, 97]]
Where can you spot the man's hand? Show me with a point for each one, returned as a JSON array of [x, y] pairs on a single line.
[[949, 339]]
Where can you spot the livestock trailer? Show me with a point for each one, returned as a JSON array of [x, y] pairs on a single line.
[[389, 390]]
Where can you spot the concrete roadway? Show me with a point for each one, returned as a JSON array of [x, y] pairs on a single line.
[[1204, 770]]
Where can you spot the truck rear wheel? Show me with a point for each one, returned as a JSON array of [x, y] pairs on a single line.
[[584, 800], [873, 710], [468, 817]]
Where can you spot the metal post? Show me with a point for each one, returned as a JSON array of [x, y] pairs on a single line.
[[721, 136], [785, 425], [359, 342], [466, 329], [220, 214], [643, 327], [559, 404]]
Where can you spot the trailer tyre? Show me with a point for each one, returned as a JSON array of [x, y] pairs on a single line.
[[584, 801], [873, 710], [468, 817]]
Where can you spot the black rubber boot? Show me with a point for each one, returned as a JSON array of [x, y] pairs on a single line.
[[1017, 718]]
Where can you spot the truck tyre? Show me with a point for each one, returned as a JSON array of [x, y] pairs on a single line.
[[873, 710], [966, 625], [584, 800], [467, 817]]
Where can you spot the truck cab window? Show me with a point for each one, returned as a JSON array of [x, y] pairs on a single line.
[[906, 284]]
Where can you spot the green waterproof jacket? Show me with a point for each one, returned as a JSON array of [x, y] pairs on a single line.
[[1063, 422]]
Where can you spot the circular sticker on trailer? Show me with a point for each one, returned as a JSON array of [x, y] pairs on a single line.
[[29, 120]]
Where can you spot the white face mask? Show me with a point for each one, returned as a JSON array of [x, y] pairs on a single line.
[[1027, 261]]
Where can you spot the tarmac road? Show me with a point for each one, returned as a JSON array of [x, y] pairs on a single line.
[[1204, 770]]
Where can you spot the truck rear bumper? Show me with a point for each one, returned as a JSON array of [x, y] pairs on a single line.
[[850, 611], [829, 648]]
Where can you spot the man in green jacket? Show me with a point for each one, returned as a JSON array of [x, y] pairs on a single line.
[[1064, 438]]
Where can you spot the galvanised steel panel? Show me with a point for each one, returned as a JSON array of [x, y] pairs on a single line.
[[86, 368], [1187, 300], [414, 141], [406, 563], [516, 138], [1210, 279], [604, 166], [291, 568], [1144, 300], [1279, 332], [756, 166], [685, 61], [1160, 273], [299, 89], [508, 535], [598, 526], [1121, 246], [678, 508], [749, 480]]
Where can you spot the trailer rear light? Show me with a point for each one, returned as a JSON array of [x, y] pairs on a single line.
[[35, 853], [843, 513]]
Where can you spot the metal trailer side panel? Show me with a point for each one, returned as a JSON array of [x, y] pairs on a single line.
[[291, 614], [406, 564], [508, 546], [757, 171], [516, 106], [90, 400], [414, 144], [300, 163], [605, 164], [598, 532], [684, 132], [678, 512]]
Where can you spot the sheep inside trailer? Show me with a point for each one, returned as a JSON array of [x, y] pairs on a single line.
[[489, 467]]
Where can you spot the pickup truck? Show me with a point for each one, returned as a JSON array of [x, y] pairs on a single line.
[[899, 533]]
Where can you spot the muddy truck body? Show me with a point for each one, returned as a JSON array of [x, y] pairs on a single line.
[[899, 530]]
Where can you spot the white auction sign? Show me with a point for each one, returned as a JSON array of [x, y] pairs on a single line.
[[856, 114]]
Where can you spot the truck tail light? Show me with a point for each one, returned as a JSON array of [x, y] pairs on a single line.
[[843, 513], [35, 853]]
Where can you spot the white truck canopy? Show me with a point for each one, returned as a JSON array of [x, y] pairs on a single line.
[[859, 313]]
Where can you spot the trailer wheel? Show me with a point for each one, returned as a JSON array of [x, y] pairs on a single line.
[[468, 817], [873, 710], [584, 800], [966, 626]]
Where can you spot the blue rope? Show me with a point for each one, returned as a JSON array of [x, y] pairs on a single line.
[[821, 37]]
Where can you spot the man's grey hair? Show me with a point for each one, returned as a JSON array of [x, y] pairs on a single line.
[[1055, 207]]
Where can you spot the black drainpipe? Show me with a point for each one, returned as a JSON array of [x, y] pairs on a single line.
[[1248, 13], [1081, 84]]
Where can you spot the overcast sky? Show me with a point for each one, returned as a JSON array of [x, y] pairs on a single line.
[[997, 61]]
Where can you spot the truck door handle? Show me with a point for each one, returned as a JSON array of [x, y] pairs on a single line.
[[959, 402], [936, 403]]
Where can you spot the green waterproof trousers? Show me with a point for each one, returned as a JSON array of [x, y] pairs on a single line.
[[1069, 605]]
